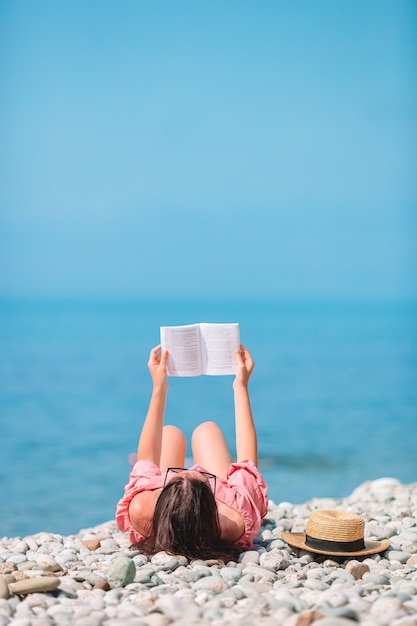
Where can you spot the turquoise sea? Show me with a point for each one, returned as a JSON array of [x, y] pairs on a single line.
[[334, 395]]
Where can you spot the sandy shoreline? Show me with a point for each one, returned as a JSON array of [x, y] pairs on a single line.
[[94, 578]]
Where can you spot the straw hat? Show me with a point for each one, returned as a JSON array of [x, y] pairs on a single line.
[[335, 533]]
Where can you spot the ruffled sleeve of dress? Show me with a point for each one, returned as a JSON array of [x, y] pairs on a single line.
[[145, 475], [250, 498]]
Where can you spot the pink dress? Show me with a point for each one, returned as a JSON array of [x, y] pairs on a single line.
[[244, 490]]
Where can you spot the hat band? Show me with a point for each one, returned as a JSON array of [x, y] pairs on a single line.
[[335, 546]]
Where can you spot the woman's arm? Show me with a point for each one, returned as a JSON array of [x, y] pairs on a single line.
[[246, 438], [150, 441]]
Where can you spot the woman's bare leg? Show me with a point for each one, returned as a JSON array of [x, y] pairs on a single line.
[[173, 448], [210, 449]]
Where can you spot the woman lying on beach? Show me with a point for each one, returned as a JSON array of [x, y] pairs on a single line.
[[211, 510]]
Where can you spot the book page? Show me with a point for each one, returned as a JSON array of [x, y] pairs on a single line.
[[183, 345], [218, 343]]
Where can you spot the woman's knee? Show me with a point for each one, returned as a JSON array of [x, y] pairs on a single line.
[[206, 432], [206, 428], [172, 432]]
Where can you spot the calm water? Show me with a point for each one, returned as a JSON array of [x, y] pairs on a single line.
[[334, 395]]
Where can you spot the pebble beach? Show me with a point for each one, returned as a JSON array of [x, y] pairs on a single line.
[[95, 578]]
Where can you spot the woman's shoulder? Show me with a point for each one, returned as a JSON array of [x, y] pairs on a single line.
[[141, 510], [232, 524]]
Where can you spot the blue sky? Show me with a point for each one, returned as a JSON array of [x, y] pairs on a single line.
[[226, 148]]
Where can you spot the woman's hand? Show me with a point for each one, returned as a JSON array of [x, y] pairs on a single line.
[[245, 365], [157, 366]]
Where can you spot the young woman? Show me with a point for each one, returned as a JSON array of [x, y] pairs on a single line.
[[215, 508]]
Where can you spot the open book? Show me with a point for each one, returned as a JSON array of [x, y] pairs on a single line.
[[197, 349]]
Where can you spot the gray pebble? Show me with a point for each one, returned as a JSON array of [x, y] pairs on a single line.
[[315, 583], [254, 589], [408, 587], [143, 576], [215, 584], [399, 555], [286, 604], [165, 562], [139, 559], [247, 578], [231, 574], [250, 556], [190, 575], [279, 544], [338, 576], [376, 579], [342, 611], [273, 559], [409, 535], [335, 597]]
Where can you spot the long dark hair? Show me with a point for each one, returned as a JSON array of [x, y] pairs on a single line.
[[186, 522]]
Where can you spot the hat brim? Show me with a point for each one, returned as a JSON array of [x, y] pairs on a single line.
[[297, 540]]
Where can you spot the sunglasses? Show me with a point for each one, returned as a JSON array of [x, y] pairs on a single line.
[[178, 470]]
